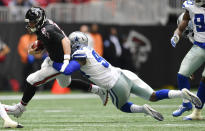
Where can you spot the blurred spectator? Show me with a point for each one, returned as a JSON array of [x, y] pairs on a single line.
[[85, 29], [78, 1], [44, 3], [4, 2], [112, 48], [30, 63], [16, 9], [4, 50], [97, 39], [25, 3]]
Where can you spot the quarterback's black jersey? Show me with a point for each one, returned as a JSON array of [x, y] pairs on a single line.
[[51, 35]]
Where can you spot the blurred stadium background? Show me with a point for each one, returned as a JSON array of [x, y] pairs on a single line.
[[144, 30]]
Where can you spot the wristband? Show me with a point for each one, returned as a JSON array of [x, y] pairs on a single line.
[[66, 57]]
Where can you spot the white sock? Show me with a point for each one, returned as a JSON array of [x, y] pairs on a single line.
[[3, 113], [175, 94], [136, 109], [95, 89]]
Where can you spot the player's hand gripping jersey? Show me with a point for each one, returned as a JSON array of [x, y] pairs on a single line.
[[197, 16]]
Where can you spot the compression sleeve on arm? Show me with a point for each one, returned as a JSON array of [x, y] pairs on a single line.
[[72, 67]]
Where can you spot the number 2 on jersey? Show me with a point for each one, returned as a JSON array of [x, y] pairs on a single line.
[[200, 23], [100, 59]]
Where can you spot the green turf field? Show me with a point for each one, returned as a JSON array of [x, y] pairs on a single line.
[[84, 112]]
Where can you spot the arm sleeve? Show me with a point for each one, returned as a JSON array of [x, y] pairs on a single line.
[[72, 67]]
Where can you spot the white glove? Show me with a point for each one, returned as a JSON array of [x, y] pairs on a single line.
[[65, 63], [174, 40]]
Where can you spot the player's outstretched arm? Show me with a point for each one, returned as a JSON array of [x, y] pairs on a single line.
[[70, 68]]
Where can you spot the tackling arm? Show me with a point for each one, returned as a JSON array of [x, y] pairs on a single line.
[[73, 66]]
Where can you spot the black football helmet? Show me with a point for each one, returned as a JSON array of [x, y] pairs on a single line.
[[35, 17]]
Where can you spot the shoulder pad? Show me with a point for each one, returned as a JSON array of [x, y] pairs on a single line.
[[187, 4], [79, 54]]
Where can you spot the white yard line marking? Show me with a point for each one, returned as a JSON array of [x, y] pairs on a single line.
[[118, 125], [51, 96]]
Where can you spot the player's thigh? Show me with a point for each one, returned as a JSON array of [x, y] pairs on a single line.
[[192, 61], [120, 92], [42, 76], [63, 80], [139, 87]]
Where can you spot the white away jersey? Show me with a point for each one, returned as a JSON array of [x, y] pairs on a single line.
[[97, 69], [197, 15]]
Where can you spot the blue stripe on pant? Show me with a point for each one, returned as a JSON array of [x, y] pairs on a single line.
[[114, 97]]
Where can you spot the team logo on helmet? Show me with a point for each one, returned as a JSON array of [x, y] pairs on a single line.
[[78, 37]]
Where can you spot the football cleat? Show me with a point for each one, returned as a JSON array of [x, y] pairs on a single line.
[[103, 93], [182, 108], [11, 124], [195, 115], [15, 110], [191, 97], [153, 113]]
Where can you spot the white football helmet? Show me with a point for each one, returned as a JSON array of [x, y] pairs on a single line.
[[199, 2], [78, 37]]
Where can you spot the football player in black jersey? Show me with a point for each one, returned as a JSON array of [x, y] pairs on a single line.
[[52, 39]]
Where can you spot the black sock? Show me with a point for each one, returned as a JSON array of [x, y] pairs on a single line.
[[80, 84], [29, 92]]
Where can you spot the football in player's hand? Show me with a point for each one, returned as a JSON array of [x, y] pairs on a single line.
[[38, 45]]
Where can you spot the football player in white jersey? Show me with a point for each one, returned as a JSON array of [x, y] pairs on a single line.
[[195, 57], [120, 83], [8, 123]]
